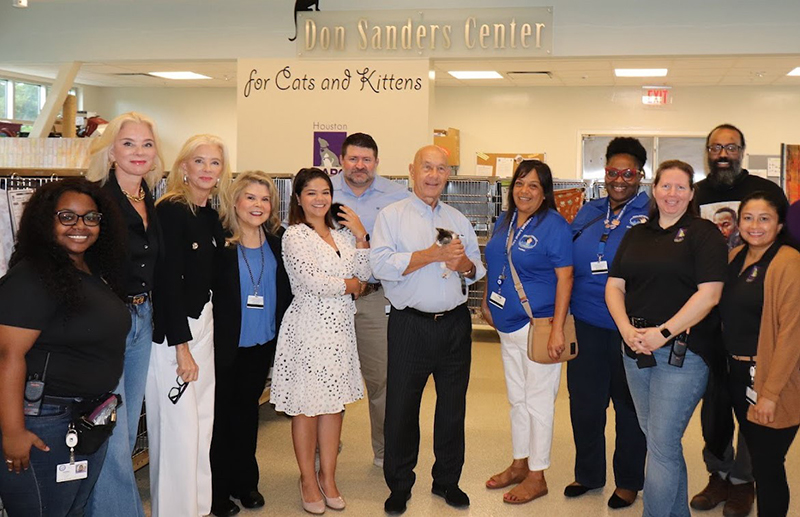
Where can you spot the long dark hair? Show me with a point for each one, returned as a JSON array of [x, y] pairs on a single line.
[[303, 177], [545, 179], [36, 243], [686, 169], [778, 204]]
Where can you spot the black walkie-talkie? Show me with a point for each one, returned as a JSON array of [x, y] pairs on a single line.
[[34, 392]]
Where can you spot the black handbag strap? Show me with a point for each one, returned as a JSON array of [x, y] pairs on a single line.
[[579, 232]]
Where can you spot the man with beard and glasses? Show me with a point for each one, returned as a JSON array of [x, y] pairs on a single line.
[[731, 476], [366, 192]]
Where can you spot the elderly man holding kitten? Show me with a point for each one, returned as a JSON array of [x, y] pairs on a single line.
[[429, 327]]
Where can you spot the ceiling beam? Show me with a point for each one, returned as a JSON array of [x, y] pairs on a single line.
[[55, 99]]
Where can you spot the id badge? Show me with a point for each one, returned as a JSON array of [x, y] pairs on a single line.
[[497, 300], [751, 396], [599, 267], [255, 302], [72, 471]]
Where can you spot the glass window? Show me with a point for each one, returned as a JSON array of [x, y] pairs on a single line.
[[3, 98], [27, 101], [688, 149], [594, 155]]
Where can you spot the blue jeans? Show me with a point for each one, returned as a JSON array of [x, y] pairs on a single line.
[[665, 398], [34, 492], [116, 492]]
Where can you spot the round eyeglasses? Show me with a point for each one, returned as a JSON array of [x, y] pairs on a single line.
[[627, 174], [70, 218], [730, 148]]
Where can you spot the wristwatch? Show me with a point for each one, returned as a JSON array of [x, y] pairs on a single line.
[[365, 239], [665, 332]]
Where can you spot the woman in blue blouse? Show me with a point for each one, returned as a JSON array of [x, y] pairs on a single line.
[[541, 249], [596, 376]]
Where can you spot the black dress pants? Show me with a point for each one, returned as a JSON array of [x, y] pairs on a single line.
[[240, 382], [418, 348], [768, 448], [594, 378]]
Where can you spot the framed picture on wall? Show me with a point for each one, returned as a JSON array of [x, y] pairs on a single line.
[[790, 171]]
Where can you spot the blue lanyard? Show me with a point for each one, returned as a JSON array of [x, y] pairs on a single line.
[[611, 224], [502, 277]]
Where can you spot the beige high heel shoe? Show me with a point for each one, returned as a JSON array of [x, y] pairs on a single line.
[[314, 507], [334, 503]]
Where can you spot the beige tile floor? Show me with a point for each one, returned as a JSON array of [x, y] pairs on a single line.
[[488, 451]]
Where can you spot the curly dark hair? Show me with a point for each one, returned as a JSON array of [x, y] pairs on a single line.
[[630, 146], [36, 243]]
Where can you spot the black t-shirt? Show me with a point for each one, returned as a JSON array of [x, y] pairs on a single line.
[[86, 349], [662, 268], [742, 302], [706, 193]]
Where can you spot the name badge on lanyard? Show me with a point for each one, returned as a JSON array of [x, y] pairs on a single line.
[[255, 301], [497, 300], [600, 266]]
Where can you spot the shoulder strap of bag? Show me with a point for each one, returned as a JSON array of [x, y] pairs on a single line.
[[517, 283]]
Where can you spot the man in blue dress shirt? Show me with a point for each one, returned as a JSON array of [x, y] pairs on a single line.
[[429, 327], [361, 189]]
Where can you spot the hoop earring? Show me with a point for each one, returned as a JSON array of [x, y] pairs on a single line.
[[217, 182], [185, 179], [113, 165]]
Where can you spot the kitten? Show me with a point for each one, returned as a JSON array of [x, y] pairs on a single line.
[[443, 238]]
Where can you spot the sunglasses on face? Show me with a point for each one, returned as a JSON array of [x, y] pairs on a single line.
[[70, 218], [176, 392], [627, 174]]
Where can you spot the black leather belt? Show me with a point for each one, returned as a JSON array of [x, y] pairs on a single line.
[[432, 315], [60, 401], [138, 299], [370, 288]]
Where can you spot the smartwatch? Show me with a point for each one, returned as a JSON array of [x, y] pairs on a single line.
[[665, 332]]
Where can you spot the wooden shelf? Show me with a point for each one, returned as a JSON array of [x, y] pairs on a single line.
[[40, 172]]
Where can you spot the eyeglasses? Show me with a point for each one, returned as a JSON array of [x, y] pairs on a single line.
[[176, 392], [70, 218], [717, 148], [627, 174]]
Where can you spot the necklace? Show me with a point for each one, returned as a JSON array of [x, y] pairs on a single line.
[[136, 199]]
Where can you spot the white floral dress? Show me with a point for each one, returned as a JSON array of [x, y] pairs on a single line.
[[316, 369]]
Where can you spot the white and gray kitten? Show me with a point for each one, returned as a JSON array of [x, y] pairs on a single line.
[[443, 238]]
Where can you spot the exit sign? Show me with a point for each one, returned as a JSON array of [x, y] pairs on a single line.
[[655, 96]]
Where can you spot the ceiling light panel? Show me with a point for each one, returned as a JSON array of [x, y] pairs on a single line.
[[640, 72], [179, 76], [476, 75]]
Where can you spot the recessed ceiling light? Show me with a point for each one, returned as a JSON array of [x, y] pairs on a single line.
[[476, 75], [180, 76], [795, 72], [640, 72]]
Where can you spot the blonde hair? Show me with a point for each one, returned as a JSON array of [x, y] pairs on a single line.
[[178, 189], [99, 153], [227, 208]]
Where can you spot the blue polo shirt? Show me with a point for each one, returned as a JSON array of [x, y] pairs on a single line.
[[588, 302], [540, 246], [258, 325]]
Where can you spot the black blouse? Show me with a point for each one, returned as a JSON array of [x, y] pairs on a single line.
[[662, 268], [143, 244], [86, 348], [742, 302], [184, 276]]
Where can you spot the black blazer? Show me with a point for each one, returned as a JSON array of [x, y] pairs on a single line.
[[186, 269], [228, 303]]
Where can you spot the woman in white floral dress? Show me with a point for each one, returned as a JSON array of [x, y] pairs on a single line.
[[316, 363]]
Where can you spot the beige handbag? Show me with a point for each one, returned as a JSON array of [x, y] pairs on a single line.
[[539, 331]]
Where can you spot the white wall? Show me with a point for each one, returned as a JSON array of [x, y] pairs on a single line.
[[551, 119], [179, 112]]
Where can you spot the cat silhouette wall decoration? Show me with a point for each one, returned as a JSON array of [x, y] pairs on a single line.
[[303, 5]]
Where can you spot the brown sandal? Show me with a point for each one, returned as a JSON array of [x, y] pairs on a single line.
[[540, 489], [506, 478]]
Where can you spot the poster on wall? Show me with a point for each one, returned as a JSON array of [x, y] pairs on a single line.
[[294, 113], [790, 171]]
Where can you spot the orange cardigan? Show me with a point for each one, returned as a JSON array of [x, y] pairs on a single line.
[[778, 358]]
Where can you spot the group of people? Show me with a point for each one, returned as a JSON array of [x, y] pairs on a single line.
[[111, 291]]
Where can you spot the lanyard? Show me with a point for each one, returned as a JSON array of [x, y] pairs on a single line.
[[510, 242], [247, 263], [611, 224]]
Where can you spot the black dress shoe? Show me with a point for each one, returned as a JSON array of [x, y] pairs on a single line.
[[576, 490], [251, 499], [396, 503], [224, 508], [452, 495]]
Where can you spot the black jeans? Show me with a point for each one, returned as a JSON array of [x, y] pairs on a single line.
[[594, 378], [768, 447]]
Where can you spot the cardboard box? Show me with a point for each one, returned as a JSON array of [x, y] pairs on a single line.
[[450, 140]]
